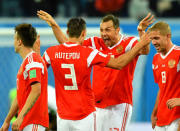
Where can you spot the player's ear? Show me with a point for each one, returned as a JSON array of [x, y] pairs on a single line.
[[67, 32], [83, 33]]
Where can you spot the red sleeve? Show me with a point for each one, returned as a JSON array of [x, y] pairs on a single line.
[[46, 58], [154, 71], [34, 75], [87, 42], [97, 58]]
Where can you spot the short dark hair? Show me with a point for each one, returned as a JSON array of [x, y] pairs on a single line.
[[76, 26], [113, 18], [27, 33]]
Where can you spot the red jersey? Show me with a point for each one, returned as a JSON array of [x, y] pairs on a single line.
[[166, 71], [71, 64], [113, 86], [33, 69]]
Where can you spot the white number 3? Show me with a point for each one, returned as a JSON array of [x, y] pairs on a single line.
[[70, 76], [163, 74]]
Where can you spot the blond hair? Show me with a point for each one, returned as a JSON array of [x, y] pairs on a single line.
[[162, 27]]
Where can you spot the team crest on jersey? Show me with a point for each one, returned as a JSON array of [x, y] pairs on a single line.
[[119, 49], [171, 63]]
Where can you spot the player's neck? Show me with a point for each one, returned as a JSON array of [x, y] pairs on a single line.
[[74, 40], [168, 48], [25, 51]]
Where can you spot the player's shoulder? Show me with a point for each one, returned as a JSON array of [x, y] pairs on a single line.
[[177, 48]]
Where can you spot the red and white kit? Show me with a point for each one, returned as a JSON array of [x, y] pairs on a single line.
[[113, 87], [71, 64], [166, 71], [33, 69]]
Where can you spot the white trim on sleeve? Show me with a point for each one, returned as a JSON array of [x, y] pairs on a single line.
[[93, 43], [47, 58], [129, 46], [32, 65], [91, 57]]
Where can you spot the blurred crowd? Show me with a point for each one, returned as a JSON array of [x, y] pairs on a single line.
[[90, 8]]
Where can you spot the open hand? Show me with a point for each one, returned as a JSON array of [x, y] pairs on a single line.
[[143, 24], [46, 17]]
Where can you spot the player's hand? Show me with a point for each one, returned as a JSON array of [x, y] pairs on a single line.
[[5, 126], [46, 17], [146, 38], [36, 46], [153, 121], [143, 24], [17, 123], [171, 103]]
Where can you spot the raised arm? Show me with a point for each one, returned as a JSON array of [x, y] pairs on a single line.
[[60, 36], [123, 60], [143, 24]]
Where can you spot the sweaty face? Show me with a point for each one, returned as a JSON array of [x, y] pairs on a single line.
[[108, 33], [159, 41]]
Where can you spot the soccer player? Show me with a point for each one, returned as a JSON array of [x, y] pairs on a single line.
[[31, 99], [166, 70], [71, 64], [111, 91]]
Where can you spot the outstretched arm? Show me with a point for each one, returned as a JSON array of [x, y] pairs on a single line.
[[12, 112], [123, 60], [60, 36], [143, 24]]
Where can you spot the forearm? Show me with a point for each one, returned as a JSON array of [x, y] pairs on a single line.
[[60, 36], [13, 110], [31, 100], [154, 112], [126, 58]]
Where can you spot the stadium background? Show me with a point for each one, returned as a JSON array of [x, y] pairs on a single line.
[[145, 90]]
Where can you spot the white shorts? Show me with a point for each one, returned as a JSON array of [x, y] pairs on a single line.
[[34, 127], [86, 124], [171, 127], [113, 118]]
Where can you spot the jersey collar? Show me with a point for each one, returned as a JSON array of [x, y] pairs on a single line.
[[164, 56], [70, 44], [117, 42]]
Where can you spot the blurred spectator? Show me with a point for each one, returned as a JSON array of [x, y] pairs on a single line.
[[30, 7], [138, 9], [103, 7], [165, 8]]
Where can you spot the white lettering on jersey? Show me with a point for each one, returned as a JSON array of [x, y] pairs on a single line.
[[91, 57], [64, 55], [129, 46], [70, 76]]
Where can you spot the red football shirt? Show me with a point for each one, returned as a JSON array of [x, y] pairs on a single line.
[[113, 86], [166, 71], [33, 69], [71, 64]]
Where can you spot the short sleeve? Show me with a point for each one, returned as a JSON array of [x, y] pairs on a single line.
[[97, 58]]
